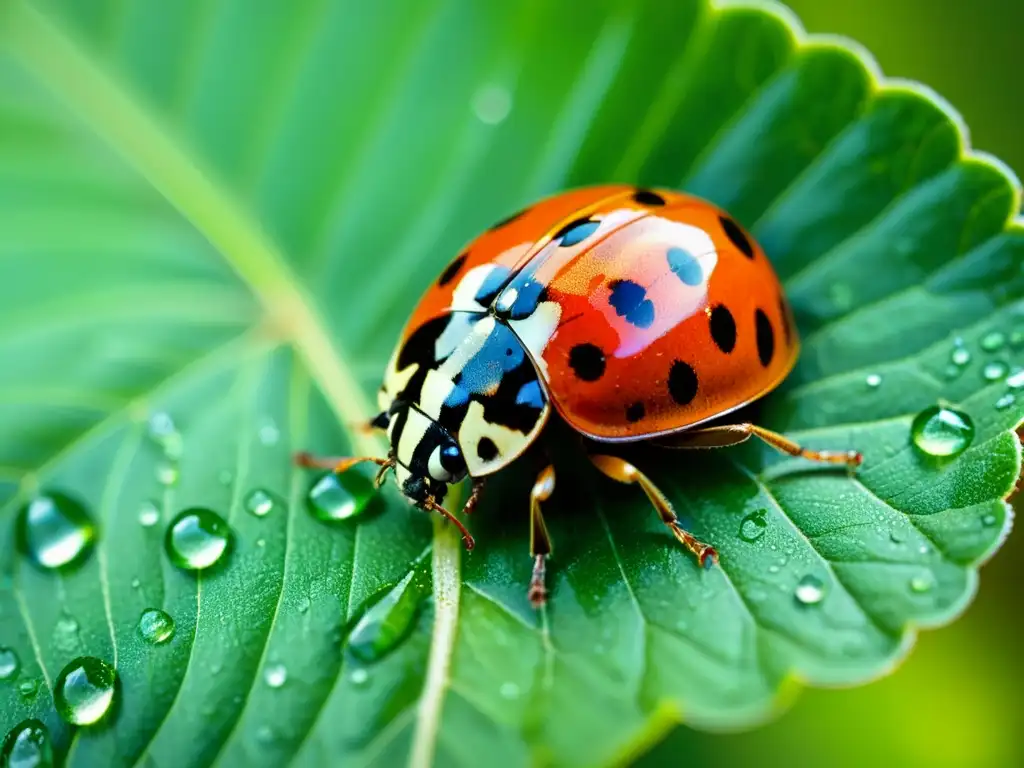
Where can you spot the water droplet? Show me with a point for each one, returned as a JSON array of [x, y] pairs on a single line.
[[809, 590], [993, 341], [873, 380], [225, 476], [259, 502], [67, 624], [509, 691], [773, 568], [28, 688], [136, 583], [1017, 339], [988, 521], [387, 621], [275, 675], [492, 103], [753, 525], [960, 355], [149, 514], [994, 371], [952, 372], [160, 425], [303, 605], [938, 431], [1016, 379], [922, 584], [359, 677], [340, 497], [197, 538], [9, 663], [166, 435], [155, 626], [1005, 401], [896, 537], [55, 531], [264, 734], [166, 473], [269, 434], [84, 690], [261, 542], [27, 745], [923, 549]]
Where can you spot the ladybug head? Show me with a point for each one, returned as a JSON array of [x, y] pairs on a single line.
[[426, 457]]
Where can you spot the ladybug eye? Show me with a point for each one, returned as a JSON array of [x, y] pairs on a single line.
[[446, 463]]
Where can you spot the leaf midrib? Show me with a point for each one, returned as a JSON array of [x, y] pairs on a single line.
[[49, 54]]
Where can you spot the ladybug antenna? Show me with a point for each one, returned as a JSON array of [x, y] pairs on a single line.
[[433, 506]]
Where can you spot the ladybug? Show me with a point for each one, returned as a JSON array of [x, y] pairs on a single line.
[[635, 314]]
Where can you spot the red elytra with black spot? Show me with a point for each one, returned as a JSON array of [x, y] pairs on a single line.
[[668, 313]]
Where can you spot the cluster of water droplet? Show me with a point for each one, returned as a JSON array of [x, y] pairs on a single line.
[[993, 346]]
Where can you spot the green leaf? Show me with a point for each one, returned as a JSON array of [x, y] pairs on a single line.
[[224, 214]]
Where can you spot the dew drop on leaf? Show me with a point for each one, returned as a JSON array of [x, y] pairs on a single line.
[[873, 380], [149, 514], [994, 371], [9, 663], [809, 590], [1005, 401], [752, 526], [1016, 379], [993, 341], [67, 624], [939, 431], [492, 103], [386, 622], [55, 531], [268, 433], [156, 626], [259, 502], [960, 355], [340, 496], [27, 745], [28, 688], [275, 675], [921, 584], [225, 476], [988, 521], [1017, 339], [359, 677], [509, 691], [84, 690], [197, 538], [167, 473]]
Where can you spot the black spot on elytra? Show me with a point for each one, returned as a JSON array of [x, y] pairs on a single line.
[[723, 328], [738, 237], [509, 219], [587, 362], [576, 232], [647, 197], [630, 301], [486, 449], [765, 337], [682, 382], [452, 270], [635, 412], [787, 320]]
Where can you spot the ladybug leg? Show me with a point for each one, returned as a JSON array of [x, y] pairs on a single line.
[[624, 472], [474, 497], [731, 434], [540, 542], [339, 463]]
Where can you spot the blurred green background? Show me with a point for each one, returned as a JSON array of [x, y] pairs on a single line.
[[957, 700]]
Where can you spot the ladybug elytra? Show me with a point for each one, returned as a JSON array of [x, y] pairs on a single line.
[[635, 314]]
